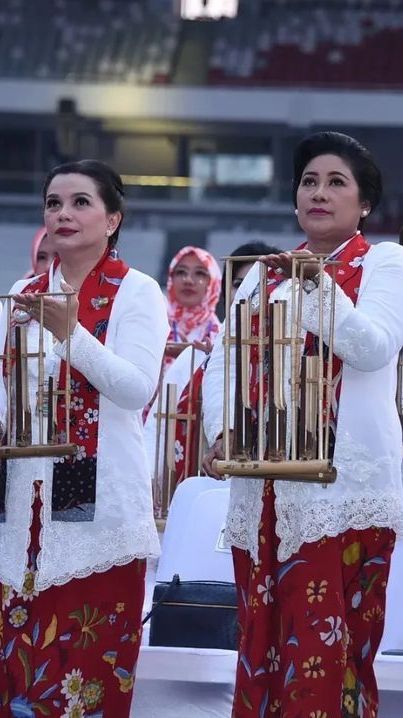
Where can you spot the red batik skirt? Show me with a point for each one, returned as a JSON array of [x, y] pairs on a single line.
[[310, 627], [70, 651]]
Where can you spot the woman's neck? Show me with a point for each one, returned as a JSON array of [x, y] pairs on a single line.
[[328, 245], [75, 269]]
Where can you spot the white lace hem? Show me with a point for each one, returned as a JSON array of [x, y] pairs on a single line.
[[98, 568], [306, 523]]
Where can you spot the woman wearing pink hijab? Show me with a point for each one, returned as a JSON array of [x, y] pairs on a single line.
[[193, 291], [42, 254]]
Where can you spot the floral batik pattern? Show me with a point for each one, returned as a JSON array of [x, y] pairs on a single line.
[[310, 627], [70, 651], [187, 448]]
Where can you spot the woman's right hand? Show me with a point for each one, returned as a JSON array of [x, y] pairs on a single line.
[[216, 451]]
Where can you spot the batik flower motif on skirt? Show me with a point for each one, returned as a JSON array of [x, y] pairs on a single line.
[[70, 651], [310, 627]]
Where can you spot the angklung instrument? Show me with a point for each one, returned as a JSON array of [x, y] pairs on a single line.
[[167, 415], [284, 434], [19, 441]]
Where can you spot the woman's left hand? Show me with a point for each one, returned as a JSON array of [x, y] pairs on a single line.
[[205, 346], [54, 311], [282, 263]]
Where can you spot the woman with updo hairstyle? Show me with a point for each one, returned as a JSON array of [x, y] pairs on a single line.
[[312, 563], [75, 532]]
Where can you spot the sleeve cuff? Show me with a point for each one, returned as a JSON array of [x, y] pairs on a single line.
[[60, 348]]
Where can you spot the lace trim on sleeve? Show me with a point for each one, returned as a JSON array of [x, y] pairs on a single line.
[[310, 307]]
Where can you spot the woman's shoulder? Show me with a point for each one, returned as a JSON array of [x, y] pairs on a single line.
[[139, 280], [385, 251], [137, 287]]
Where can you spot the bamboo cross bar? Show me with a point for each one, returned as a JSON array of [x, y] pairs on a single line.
[[293, 447], [306, 471]]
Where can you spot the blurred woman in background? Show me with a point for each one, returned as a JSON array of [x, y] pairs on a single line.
[[193, 291], [42, 254]]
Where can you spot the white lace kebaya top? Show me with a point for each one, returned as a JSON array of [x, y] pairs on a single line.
[[368, 453], [125, 371]]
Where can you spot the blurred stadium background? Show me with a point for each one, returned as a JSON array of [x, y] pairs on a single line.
[[200, 115]]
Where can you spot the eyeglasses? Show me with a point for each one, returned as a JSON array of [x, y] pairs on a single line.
[[198, 276]]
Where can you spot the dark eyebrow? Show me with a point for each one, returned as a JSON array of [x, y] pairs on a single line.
[[75, 194], [334, 172]]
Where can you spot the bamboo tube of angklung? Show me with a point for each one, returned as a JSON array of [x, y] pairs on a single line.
[[329, 375], [271, 428], [279, 397], [9, 368], [245, 353], [238, 445], [308, 407], [158, 480], [262, 346], [189, 418], [168, 485], [276, 430], [41, 371], [321, 362], [25, 389], [199, 436], [245, 350], [50, 431], [312, 406], [227, 359], [302, 410], [294, 350], [68, 375], [19, 405], [194, 458]]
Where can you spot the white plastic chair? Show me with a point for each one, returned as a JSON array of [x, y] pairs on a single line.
[[192, 544], [393, 633]]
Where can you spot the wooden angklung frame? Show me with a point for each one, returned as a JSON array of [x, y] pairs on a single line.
[[15, 360], [276, 439], [165, 478]]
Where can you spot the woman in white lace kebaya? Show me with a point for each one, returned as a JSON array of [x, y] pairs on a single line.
[[312, 563], [75, 532]]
